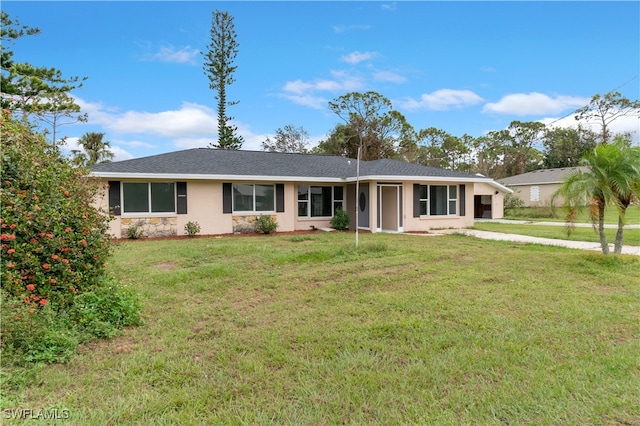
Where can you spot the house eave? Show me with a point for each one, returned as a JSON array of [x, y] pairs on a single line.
[[187, 176], [320, 179]]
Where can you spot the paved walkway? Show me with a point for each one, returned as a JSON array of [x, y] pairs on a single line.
[[583, 245]]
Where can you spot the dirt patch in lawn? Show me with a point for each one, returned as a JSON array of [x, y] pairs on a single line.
[[167, 266]]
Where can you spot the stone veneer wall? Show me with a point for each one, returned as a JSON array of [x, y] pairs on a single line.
[[152, 226], [245, 224]]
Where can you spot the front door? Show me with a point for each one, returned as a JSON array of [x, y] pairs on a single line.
[[362, 204], [390, 207]]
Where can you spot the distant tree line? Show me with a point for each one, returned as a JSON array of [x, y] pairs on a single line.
[[370, 122]]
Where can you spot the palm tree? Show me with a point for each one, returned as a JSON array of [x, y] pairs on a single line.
[[97, 150], [612, 178], [625, 180], [78, 158]]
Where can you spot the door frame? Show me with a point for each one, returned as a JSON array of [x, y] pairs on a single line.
[[396, 209]]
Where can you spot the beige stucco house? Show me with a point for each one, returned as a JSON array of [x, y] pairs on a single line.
[[536, 188], [224, 190]]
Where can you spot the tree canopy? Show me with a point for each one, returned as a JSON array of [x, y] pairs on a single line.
[[288, 139], [36, 92], [605, 109]]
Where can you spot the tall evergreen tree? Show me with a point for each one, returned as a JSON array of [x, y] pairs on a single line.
[[219, 68]]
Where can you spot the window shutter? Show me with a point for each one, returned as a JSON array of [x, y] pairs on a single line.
[[416, 200], [114, 197], [227, 200], [279, 197], [462, 201], [181, 191]]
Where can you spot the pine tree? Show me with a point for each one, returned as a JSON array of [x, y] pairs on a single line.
[[219, 68]]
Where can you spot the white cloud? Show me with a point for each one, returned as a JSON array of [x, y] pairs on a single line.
[[441, 100], [389, 76], [315, 102], [357, 57], [339, 29], [305, 92], [252, 141], [135, 144], [169, 54], [191, 126], [190, 119], [534, 103], [389, 6], [299, 87], [120, 154]]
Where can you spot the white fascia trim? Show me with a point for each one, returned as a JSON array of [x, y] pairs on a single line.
[[182, 176]]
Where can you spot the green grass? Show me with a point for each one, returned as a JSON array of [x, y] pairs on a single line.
[[630, 237], [557, 215], [407, 330]]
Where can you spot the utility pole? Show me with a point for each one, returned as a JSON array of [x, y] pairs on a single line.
[[357, 191]]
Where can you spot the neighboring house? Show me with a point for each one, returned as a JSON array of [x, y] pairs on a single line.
[[224, 190], [536, 188]]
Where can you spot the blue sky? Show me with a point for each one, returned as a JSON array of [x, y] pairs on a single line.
[[464, 67]]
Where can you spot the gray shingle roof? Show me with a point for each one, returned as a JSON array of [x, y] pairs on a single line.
[[545, 176], [208, 161]]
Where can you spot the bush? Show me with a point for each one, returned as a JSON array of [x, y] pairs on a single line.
[[54, 241], [512, 201], [55, 244], [102, 312], [265, 224], [341, 220], [49, 334], [135, 232], [192, 228]]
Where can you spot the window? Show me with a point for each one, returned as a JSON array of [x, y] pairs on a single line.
[[319, 201], [438, 200], [253, 198], [149, 197], [424, 200], [535, 194]]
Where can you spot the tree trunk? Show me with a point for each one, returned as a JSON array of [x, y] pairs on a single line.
[[618, 244], [603, 237]]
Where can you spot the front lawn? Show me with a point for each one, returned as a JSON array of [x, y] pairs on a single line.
[[558, 215], [407, 330], [630, 237]]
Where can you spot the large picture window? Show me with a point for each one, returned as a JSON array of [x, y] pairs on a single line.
[[149, 197], [253, 198], [438, 200], [319, 201]]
